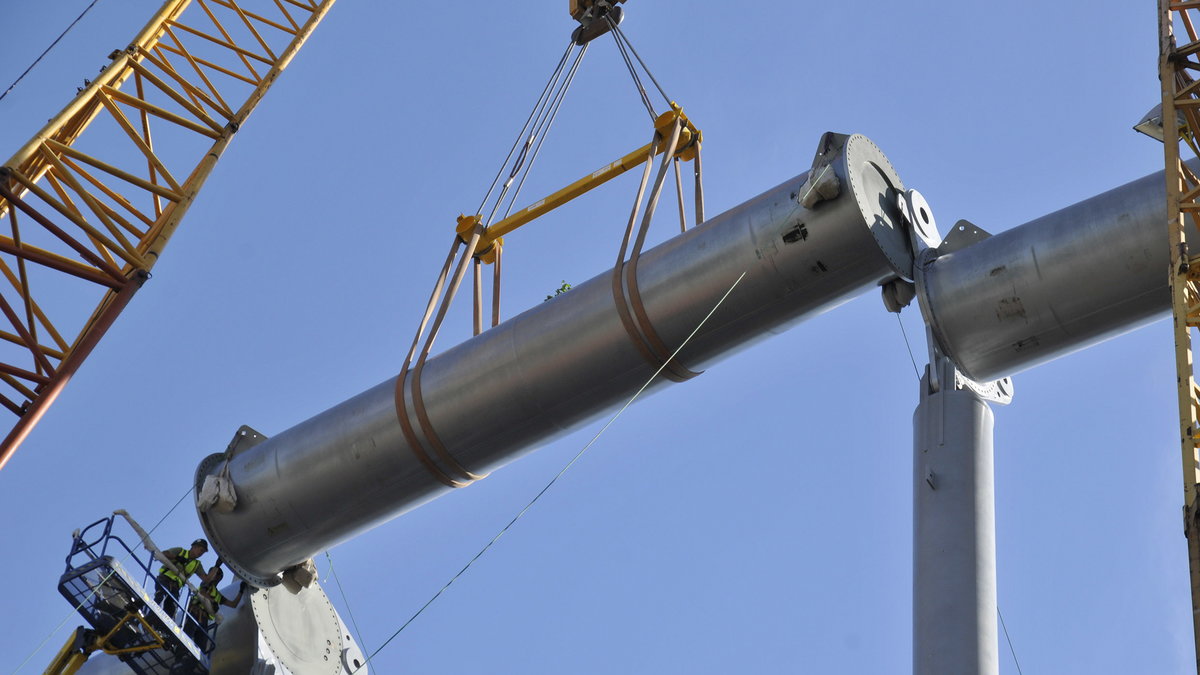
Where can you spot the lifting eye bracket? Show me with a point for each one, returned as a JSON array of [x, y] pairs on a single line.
[[687, 150]]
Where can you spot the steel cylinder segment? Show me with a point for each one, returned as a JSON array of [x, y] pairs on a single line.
[[563, 362], [1056, 284], [954, 534]]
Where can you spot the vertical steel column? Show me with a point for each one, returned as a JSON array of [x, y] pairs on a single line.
[[954, 529]]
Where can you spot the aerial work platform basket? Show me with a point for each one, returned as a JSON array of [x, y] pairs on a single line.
[[112, 588]]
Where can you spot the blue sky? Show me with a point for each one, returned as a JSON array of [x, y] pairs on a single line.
[[757, 519]]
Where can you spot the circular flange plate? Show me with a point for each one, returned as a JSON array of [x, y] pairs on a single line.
[[207, 467], [872, 175], [301, 627]]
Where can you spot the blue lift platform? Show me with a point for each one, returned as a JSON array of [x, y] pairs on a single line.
[[112, 587]]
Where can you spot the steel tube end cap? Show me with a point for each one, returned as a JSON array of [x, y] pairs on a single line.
[[876, 185], [210, 466]]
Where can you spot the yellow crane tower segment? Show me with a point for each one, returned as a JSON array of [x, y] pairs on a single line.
[[1181, 120], [88, 214]]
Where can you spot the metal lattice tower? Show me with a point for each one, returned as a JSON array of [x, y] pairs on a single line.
[[1181, 117], [89, 203]]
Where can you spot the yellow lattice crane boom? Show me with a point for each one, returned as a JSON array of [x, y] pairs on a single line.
[[1181, 119], [91, 201]]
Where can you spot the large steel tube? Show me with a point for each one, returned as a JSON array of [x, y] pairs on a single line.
[[1056, 284], [954, 533], [560, 364]]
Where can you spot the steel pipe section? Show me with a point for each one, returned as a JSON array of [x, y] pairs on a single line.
[[563, 362], [1060, 283], [954, 533]]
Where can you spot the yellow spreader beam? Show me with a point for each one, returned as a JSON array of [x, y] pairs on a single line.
[[689, 144]]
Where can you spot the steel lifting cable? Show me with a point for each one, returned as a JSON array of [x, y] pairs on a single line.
[[549, 122], [616, 29], [538, 118], [445, 467], [637, 81], [540, 129], [553, 78], [559, 475], [625, 46], [96, 587]]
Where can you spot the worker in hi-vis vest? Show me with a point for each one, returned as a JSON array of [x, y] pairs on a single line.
[[169, 583], [201, 617]]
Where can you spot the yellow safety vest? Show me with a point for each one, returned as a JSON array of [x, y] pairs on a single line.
[[196, 607], [185, 563]]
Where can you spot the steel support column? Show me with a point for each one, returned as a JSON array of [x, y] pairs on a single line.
[[954, 530]]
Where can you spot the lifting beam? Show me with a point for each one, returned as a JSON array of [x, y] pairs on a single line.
[[687, 149]]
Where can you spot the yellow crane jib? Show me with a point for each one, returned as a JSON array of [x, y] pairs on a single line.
[[96, 221], [687, 148]]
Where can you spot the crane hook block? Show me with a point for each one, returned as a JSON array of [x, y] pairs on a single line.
[[595, 17]]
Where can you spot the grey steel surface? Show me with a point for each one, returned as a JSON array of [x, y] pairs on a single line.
[[236, 648], [301, 627], [1056, 284], [954, 534], [293, 623], [563, 362]]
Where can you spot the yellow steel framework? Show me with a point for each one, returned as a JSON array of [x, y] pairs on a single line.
[[89, 213], [687, 149], [1181, 118]]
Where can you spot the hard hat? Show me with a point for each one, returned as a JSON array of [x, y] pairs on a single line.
[[201, 542]]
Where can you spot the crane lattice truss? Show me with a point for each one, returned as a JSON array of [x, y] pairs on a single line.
[[1181, 121], [88, 214]]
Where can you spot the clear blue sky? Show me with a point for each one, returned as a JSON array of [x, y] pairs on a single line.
[[757, 519]]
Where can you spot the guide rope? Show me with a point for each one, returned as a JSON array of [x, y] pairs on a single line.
[[346, 601], [1010, 644], [47, 50], [553, 480], [904, 333]]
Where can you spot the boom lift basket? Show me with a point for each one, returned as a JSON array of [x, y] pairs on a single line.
[[111, 587]]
